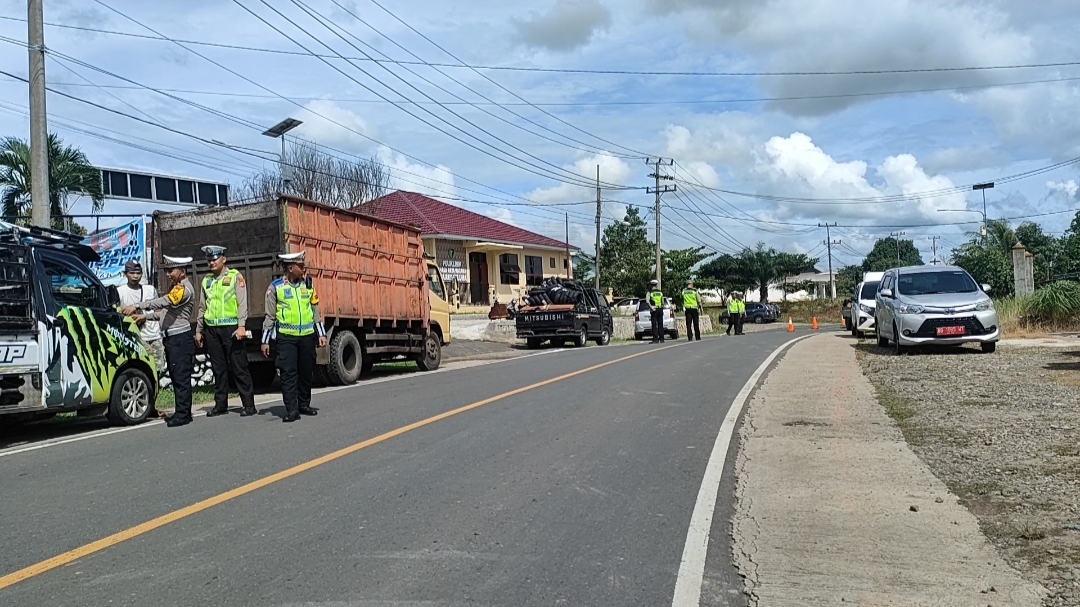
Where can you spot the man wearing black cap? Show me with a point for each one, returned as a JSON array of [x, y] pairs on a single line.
[[132, 293], [174, 314], [222, 319]]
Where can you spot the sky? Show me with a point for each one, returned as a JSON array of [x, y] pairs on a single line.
[[778, 115]]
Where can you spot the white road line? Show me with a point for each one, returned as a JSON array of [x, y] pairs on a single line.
[[692, 567], [465, 364]]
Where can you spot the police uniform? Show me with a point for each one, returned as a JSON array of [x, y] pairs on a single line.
[[224, 310], [293, 318], [656, 313], [691, 302], [733, 315], [174, 315]]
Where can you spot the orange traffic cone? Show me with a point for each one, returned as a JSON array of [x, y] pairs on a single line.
[[790, 325], [813, 323]]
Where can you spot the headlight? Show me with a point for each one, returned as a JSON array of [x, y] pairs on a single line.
[[984, 306], [910, 309], [866, 308]]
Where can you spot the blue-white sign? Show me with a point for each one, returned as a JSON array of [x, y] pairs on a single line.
[[117, 246]]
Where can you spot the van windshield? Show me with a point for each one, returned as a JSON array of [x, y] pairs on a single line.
[[931, 283], [869, 290]]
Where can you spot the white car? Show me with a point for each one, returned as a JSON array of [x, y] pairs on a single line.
[[862, 308], [626, 306], [643, 320]]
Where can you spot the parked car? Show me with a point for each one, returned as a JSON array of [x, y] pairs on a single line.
[[625, 306], [862, 308], [643, 320], [934, 305], [589, 318], [760, 313]]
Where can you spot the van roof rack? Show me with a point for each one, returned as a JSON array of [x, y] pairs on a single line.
[[38, 236]]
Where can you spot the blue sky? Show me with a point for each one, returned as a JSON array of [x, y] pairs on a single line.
[[842, 145]]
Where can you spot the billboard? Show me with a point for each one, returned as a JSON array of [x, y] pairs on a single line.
[[117, 246]]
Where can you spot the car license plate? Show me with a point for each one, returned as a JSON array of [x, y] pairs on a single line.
[[950, 331]]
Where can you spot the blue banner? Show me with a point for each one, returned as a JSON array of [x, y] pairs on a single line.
[[117, 246]]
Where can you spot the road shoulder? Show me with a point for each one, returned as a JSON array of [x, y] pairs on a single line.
[[832, 505]]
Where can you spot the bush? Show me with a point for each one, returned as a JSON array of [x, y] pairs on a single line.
[[1057, 304]]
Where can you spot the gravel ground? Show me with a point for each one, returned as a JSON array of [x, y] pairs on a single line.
[[1001, 430]]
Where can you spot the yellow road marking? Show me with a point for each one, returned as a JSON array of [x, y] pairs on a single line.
[[114, 539]]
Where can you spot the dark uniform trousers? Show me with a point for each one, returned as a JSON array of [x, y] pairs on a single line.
[[228, 356], [296, 360], [656, 317], [734, 321], [180, 360], [693, 325], [740, 317]]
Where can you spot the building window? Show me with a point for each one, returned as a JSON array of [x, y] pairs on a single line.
[[509, 270], [534, 270], [551, 262]]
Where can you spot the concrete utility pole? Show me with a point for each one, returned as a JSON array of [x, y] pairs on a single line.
[[599, 208], [569, 264], [656, 209], [933, 240], [39, 128], [897, 236], [829, 243]]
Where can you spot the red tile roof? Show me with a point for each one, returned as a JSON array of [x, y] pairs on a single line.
[[437, 217]]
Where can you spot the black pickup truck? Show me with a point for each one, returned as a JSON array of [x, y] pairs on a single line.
[[588, 318]]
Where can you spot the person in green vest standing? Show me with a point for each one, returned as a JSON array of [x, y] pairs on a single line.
[[656, 311], [221, 326], [292, 316], [691, 302], [735, 308]]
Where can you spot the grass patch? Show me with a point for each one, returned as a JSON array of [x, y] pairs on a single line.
[[1028, 531], [897, 407], [166, 399]]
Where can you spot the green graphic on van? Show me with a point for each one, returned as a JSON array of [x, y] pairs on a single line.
[[102, 343]]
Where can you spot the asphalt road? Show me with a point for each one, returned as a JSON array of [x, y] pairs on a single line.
[[578, 491]]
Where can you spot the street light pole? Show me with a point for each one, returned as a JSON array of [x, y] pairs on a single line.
[[983, 187], [279, 130]]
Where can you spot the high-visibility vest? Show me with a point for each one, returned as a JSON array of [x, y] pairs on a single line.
[[219, 292], [689, 298], [656, 298], [733, 306], [742, 306], [295, 315]]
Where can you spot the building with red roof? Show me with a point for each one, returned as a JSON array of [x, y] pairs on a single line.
[[483, 258]]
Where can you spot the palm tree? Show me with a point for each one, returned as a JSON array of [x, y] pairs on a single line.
[[70, 172]]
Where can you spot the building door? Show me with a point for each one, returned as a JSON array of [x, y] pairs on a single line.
[[478, 278]]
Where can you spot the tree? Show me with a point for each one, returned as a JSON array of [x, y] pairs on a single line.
[[725, 272], [1045, 249], [70, 173], [768, 266], [883, 256], [627, 256], [583, 271], [679, 266], [847, 279], [319, 177], [986, 264]]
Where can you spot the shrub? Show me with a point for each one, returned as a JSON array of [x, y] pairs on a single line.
[[1056, 304]]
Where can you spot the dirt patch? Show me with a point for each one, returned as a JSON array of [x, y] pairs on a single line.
[[1001, 431]]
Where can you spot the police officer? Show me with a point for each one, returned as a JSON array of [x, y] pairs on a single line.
[[174, 315], [741, 316], [656, 311], [691, 302], [292, 314], [733, 314], [223, 319]]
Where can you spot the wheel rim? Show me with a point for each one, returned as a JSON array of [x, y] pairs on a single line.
[[604, 336], [135, 397], [432, 349], [583, 336]]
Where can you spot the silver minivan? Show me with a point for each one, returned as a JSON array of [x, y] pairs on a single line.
[[934, 305]]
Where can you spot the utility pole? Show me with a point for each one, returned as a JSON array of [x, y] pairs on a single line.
[[933, 245], [829, 243], [598, 210], [39, 129], [569, 264], [656, 164], [983, 187], [897, 236]]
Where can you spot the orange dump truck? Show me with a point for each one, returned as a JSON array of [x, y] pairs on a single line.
[[380, 297]]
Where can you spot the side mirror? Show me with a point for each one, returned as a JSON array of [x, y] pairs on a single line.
[[886, 293], [112, 296], [986, 288]]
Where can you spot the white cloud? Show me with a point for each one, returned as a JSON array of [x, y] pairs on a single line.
[[612, 170], [324, 121], [1069, 187], [437, 182], [500, 214], [567, 25]]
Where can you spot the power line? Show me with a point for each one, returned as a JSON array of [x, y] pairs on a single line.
[[584, 70]]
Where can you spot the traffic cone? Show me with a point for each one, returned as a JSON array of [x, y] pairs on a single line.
[[790, 325], [813, 323]]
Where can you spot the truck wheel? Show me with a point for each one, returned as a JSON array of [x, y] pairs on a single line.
[[132, 397], [604, 339], [429, 359], [321, 377], [345, 358], [582, 338], [533, 343]]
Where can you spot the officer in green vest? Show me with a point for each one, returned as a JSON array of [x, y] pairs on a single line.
[[221, 326], [292, 315], [656, 311], [691, 302], [733, 311]]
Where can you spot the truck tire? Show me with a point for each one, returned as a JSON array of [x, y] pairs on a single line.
[[605, 337], [321, 377], [582, 338], [533, 343], [132, 397], [431, 357], [346, 358]]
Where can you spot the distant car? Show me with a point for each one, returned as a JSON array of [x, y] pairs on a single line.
[[759, 313], [934, 305], [643, 320], [625, 306], [862, 308]]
